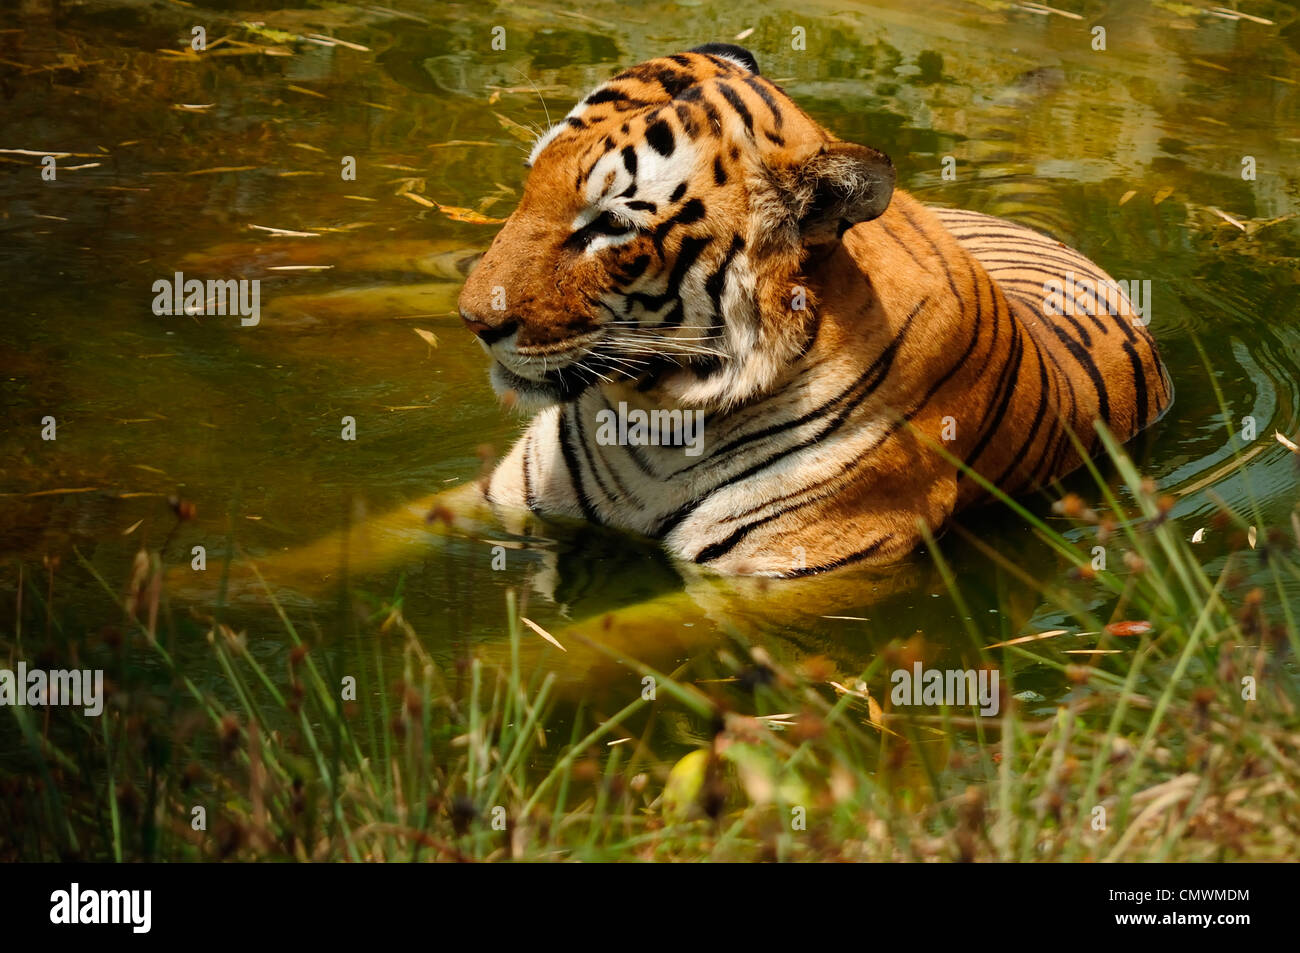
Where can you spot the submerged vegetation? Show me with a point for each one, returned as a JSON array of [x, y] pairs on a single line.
[[1178, 740]]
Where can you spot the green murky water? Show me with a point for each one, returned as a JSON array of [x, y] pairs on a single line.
[[176, 156]]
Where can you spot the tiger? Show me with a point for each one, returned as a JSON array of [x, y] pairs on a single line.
[[689, 241]]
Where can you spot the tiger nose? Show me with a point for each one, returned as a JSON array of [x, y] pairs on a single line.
[[489, 333]]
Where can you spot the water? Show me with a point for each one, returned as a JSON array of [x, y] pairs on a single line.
[[246, 422]]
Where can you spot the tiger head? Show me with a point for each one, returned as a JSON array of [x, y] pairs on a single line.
[[660, 237]]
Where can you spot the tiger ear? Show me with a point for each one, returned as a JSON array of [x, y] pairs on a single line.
[[729, 51], [838, 187]]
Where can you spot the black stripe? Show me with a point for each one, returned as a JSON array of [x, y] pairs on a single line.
[[714, 115], [580, 436], [606, 95], [939, 256], [529, 500], [687, 119], [759, 87], [633, 270], [673, 81], [1002, 394], [716, 283], [1019, 236], [1139, 385], [687, 254], [738, 104], [860, 555], [660, 137], [1084, 359], [574, 471], [688, 214], [696, 95], [889, 232], [1032, 433]]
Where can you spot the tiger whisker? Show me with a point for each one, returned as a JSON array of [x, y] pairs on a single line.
[[652, 335], [630, 363], [648, 349], [656, 341]]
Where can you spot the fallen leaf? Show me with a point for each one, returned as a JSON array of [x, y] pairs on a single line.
[[542, 632], [344, 43], [1034, 637], [286, 232], [457, 214], [1226, 217], [222, 169]]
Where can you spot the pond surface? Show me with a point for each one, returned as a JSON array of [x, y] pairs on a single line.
[[186, 161]]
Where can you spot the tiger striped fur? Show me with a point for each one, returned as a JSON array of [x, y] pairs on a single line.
[[689, 239]]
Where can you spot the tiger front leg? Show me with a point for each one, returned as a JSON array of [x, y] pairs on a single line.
[[370, 545]]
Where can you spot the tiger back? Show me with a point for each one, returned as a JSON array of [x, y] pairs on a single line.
[[739, 338]]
